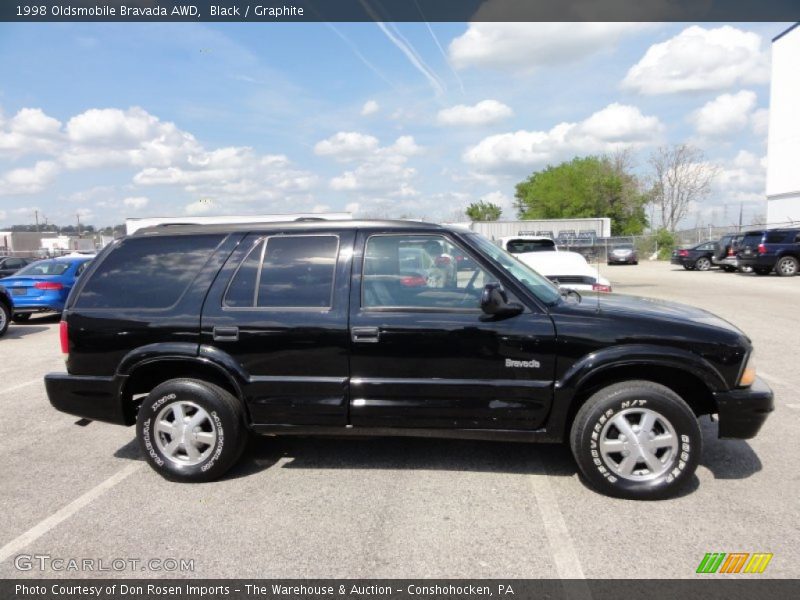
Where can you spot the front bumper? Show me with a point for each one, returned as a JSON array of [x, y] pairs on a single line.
[[621, 260], [742, 412], [95, 398]]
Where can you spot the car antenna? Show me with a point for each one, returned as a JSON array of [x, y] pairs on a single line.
[[597, 294]]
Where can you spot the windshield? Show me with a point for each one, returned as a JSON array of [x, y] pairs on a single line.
[[45, 267], [541, 287]]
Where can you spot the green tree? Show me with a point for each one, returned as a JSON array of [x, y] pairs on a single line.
[[484, 211], [591, 186]]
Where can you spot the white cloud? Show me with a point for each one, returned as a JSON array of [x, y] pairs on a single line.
[[30, 131], [199, 207], [30, 180], [136, 202], [760, 122], [385, 170], [616, 127], [526, 46], [700, 59], [370, 108], [743, 179], [346, 145], [724, 115], [484, 112], [133, 137]]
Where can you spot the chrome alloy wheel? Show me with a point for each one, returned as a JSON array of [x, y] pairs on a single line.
[[787, 266], [638, 444], [3, 318], [703, 264], [185, 433]]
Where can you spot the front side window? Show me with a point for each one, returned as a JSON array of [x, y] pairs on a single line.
[[420, 272], [286, 272], [540, 286]]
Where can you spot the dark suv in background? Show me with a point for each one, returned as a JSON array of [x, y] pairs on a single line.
[[199, 335], [725, 253], [771, 250]]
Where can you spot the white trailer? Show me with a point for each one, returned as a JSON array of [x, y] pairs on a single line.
[[132, 225], [600, 226]]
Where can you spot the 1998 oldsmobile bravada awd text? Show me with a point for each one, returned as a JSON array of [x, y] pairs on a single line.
[[201, 334]]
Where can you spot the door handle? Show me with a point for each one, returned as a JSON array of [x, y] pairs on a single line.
[[365, 335], [226, 334]]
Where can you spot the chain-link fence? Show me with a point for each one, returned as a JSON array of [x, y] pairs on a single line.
[[658, 246]]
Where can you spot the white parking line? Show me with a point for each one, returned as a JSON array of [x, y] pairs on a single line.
[[773, 379], [65, 513], [14, 388], [562, 549]]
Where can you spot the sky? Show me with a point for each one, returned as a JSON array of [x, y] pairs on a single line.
[[113, 120]]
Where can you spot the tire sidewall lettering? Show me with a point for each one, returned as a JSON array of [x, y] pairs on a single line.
[[148, 444]]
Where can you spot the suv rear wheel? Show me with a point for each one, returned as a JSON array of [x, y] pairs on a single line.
[[787, 266], [636, 439], [191, 430]]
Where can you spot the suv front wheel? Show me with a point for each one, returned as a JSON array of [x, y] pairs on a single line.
[[637, 440], [191, 430]]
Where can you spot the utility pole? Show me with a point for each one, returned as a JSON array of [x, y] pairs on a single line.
[[78, 216], [740, 218], [36, 217]]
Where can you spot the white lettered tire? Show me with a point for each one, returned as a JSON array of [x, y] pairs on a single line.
[[191, 430], [637, 440]]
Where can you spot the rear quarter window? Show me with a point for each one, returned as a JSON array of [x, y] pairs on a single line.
[[147, 273], [776, 237]]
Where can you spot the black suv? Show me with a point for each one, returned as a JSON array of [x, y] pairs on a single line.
[[771, 249], [201, 334]]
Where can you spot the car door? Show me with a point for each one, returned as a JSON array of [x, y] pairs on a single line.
[[277, 313], [424, 356]]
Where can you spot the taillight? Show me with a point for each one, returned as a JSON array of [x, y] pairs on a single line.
[[414, 281], [730, 251], [762, 249], [48, 285], [442, 261], [683, 253], [599, 287], [63, 336]]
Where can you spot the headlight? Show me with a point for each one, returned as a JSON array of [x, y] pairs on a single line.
[[748, 376]]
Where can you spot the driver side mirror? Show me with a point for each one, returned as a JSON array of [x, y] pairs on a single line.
[[495, 304]]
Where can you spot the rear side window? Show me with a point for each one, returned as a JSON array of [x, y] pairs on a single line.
[[286, 272], [775, 237], [147, 272], [522, 246]]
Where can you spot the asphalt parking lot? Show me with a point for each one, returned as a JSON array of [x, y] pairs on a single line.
[[404, 507]]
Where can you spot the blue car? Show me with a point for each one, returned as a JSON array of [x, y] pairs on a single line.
[[43, 286]]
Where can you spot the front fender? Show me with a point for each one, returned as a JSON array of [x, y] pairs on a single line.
[[640, 354]]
